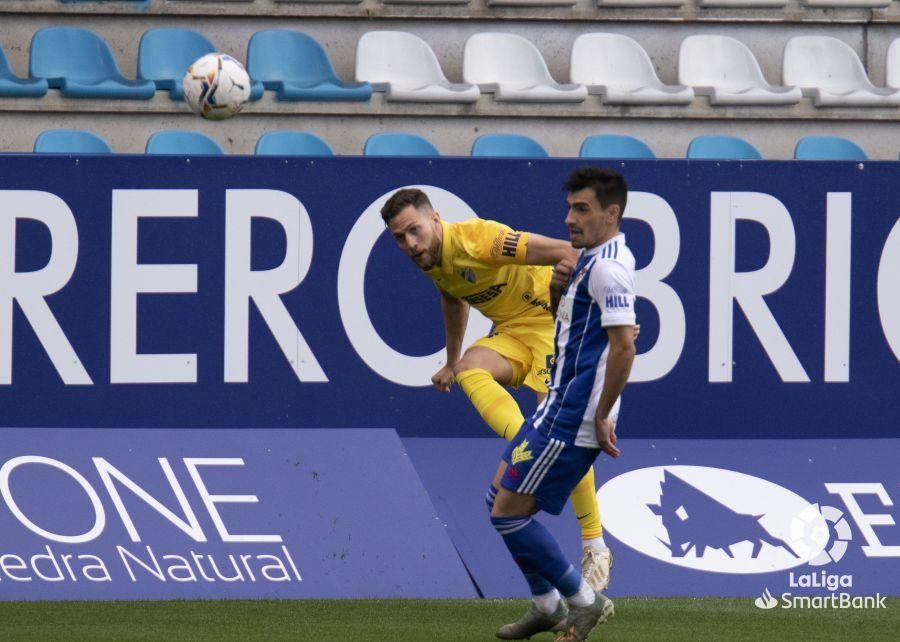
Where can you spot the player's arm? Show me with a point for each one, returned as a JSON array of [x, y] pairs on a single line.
[[543, 250], [611, 285], [497, 244], [456, 316], [618, 367]]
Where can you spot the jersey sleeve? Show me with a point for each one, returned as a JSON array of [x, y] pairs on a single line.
[[492, 243], [612, 287]]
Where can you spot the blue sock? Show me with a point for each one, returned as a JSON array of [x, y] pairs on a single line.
[[538, 555]]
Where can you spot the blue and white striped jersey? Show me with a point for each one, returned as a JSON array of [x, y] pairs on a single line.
[[600, 294]]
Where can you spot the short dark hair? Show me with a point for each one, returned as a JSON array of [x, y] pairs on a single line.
[[608, 184], [403, 198]]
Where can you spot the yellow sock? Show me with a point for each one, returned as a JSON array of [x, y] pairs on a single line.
[[584, 501], [495, 405]]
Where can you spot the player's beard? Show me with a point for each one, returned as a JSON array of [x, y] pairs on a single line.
[[429, 258]]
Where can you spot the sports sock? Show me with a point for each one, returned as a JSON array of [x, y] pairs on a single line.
[[495, 405], [597, 542], [548, 602], [584, 501], [583, 596], [538, 555]]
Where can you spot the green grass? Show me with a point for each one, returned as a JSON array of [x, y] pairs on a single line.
[[429, 620]]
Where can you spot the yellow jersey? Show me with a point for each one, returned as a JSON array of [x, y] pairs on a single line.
[[483, 263]]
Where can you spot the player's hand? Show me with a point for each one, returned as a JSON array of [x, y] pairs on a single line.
[[562, 274], [443, 378], [637, 331], [606, 436]]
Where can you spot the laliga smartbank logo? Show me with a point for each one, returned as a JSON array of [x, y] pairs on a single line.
[[163, 541], [823, 529]]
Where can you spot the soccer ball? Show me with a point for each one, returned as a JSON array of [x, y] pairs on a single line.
[[216, 86]]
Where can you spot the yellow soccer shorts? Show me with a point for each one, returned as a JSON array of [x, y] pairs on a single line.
[[528, 346]]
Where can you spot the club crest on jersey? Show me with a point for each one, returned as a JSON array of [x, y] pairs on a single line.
[[468, 274], [521, 453]]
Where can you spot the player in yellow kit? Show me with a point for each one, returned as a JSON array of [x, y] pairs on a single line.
[[505, 274]]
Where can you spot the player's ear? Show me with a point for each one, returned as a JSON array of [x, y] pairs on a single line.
[[435, 215], [613, 211]]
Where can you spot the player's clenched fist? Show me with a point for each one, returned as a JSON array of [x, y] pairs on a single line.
[[562, 273], [443, 378]]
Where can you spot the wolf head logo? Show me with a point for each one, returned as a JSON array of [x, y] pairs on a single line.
[[694, 520]]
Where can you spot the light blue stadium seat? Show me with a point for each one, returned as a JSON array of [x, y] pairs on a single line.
[[396, 144], [722, 148], [80, 64], [292, 144], [615, 146], [828, 148], [13, 86], [164, 56], [70, 141], [182, 143], [508, 145], [296, 67]]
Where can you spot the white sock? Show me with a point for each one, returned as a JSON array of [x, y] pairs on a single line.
[[584, 597], [596, 542], [548, 602]]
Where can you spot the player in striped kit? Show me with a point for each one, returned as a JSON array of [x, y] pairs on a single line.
[[594, 351]]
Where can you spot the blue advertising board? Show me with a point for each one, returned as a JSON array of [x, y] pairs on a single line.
[[192, 309], [176, 514], [701, 517], [264, 292]]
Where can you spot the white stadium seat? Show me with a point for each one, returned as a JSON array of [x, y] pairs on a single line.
[[640, 3], [892, 65], [848, 4], [513, 69], [531, 3], [743, 4], [618, 68], [727, 71], [405, 67], [428, 2], [830, 71]]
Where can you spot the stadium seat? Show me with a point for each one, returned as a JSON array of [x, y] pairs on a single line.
[[80, 64], [425, 2], [726, 70], [640, 3], [742, 4], [405, 67], [182, 143], [164, 55], [291, 144], [722, 148], [892, 65], [830, 71], [828, 148], [70, 141], [508, 146], [513, 69], [13, 86], [296, 67], [396, 144], [618, 68], [848, 4], [531, 3], [614, 146]]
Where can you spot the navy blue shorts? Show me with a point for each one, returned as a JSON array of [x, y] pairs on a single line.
[[549, 469]]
